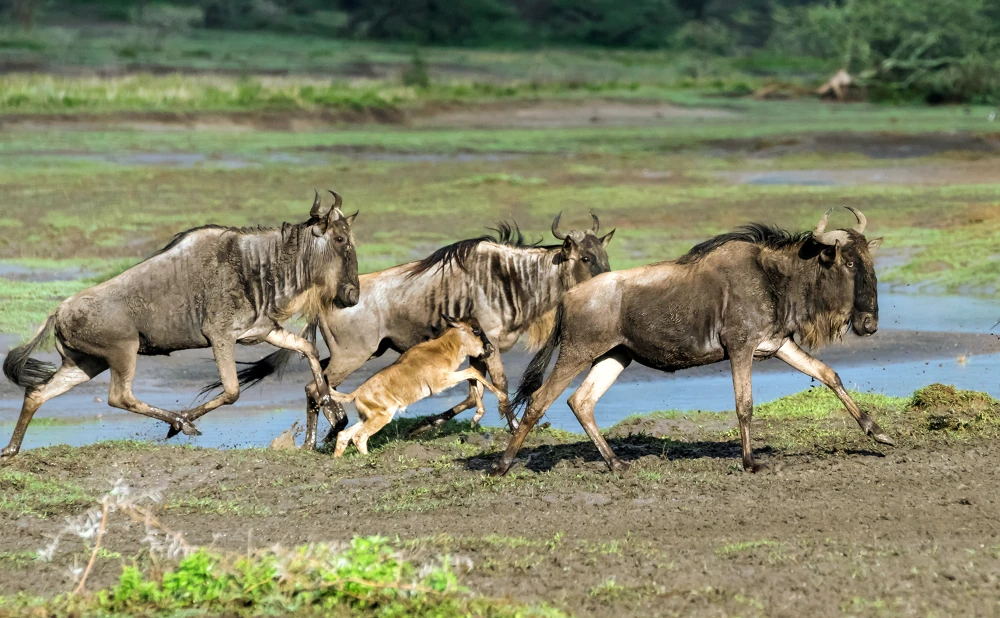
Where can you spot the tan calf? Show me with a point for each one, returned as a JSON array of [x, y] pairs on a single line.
[[426, 368]]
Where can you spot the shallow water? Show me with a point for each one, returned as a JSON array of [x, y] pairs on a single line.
[[263, 412]]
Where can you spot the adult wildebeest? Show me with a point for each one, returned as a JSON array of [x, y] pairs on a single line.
[[509, 286], [743, 295], [425, 369], [211, 286]]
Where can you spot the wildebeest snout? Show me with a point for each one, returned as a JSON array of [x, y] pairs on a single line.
[[865, 324], [349, 295]]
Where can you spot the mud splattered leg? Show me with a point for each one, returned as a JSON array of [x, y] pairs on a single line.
[[602, 375]]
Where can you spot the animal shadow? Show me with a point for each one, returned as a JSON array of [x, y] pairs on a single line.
[[545, 457]]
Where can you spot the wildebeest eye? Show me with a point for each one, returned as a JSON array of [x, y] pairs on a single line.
[[850, 264], [585, 259], [339, 239], [476, 331]]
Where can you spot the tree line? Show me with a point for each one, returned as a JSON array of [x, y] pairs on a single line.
[[939, 50]]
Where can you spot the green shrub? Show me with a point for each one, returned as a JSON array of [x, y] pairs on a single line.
[[903, 49]]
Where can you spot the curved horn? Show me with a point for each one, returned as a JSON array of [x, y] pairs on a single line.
[[337, 200], [828, 238], [316, 209], [862, 220], [597, 223], [555, 228]]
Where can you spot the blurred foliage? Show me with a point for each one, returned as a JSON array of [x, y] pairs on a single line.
[[940, 52], [930, 50]]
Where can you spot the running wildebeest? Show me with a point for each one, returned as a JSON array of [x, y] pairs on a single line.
[[511, 287], [743, 295], [425, 369], [211, 286]]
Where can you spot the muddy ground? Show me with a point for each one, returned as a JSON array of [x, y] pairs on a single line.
[[835, 525]]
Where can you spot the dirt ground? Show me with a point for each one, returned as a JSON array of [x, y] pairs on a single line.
[[835, 525]]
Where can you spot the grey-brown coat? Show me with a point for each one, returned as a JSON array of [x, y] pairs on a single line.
[[741, 296], [212, 286]]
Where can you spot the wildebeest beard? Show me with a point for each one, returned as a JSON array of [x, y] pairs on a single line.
[[298, 260]]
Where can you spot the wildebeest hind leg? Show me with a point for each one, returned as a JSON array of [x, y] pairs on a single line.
[[224, 351], [76, 369], [795, 356], [741, 362], [122, 363], [602, 375], [565, 370]]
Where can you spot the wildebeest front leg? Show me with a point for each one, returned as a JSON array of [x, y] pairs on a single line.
[[282, 338], [798, 358], [473, 374], [741, 362]]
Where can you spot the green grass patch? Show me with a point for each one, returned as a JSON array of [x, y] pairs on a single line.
[[27, 493], [366, 578], [744, 546], [819, 402]]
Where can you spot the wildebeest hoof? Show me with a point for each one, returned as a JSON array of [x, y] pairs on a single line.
[[619, 467], [182, 427], [881, 438], [499, 469], [8, 452]]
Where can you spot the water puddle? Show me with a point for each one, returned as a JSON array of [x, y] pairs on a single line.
[[975, 172], [922, 339]]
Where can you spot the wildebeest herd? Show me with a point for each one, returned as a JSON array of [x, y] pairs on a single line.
[[750, 294]]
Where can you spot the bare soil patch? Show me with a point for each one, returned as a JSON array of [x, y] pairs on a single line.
[[875, 145], [565, 114], [834, 525]]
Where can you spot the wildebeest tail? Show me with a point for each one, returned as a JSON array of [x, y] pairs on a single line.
[[533, 376], [274, 363], [30, 373]]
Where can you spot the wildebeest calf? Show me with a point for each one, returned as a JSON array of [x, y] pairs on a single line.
[[426, 368], [212, 286]]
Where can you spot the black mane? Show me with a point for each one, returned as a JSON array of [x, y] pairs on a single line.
[[507, 234], [769, 236]]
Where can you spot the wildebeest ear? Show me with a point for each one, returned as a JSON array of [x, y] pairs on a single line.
[[450, 321], [607, 238], [873, 245], [350, 218], [830, 255]]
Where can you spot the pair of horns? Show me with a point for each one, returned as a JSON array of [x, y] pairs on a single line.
[[838, 236], [319, 211], [555, 226]]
